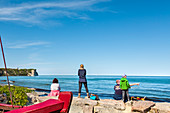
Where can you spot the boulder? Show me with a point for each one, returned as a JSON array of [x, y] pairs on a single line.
[[116, 104], [76, 109], [161, 108], [44, 98], [77, 105], [80, 105], [33, 89], [142, 106], [32, 98], [41, 93], [129, 103], [3, 98], [88, 109], [119, 105], [32, 94], [78, 101], [90, 102], [103, 109], [81, 102]]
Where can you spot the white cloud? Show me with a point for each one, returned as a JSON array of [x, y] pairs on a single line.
[[38, 12], [25, 45]]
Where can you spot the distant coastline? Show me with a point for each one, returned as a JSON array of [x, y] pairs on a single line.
[[18, 72]]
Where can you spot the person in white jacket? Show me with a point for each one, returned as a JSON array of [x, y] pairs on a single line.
[[55, 88]]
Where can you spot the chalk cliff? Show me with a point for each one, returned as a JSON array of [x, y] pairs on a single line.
[[18, 72]]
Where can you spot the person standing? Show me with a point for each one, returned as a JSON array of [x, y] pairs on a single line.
[[124, 86], [82, 80]]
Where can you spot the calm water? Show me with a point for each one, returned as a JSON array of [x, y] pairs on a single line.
[[153, 87]]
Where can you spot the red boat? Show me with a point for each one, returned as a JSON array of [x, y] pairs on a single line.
[[62, 105]]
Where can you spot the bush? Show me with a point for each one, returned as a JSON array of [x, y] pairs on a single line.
[[19, 95]]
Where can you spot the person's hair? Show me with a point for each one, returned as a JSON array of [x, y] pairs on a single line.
[[81, 66], [55, 80], [118, 81]]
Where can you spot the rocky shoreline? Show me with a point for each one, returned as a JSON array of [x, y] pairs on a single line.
[[86, 105], [80, 105]]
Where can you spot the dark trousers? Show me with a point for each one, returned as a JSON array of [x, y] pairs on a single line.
[[117, 97], [124, 95], [85, 85]]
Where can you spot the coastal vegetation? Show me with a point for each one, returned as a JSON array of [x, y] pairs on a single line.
[[19, 95], [17, 72]]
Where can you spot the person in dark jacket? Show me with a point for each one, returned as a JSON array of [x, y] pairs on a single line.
[[118, 91], [82, 80]]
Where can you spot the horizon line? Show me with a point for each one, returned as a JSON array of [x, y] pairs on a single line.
[[111, 74]]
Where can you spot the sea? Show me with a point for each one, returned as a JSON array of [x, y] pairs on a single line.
[[155, 88]]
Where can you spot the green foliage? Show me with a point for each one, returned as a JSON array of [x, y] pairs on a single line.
[[23, 72], [19, 95]]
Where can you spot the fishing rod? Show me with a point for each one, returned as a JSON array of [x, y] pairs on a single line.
[[6, 70]]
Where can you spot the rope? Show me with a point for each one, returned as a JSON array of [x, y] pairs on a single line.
[[6, 70]]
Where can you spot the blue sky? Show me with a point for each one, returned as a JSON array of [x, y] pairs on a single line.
[[107, 36]]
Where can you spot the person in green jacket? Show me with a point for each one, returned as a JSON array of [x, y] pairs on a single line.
[[124, 86]]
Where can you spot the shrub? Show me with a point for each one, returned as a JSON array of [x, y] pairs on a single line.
[[19, 95]]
